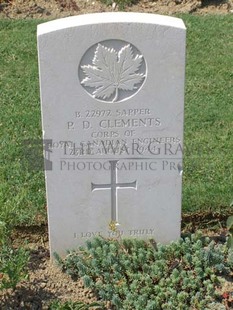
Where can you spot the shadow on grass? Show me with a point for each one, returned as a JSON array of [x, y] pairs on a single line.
[[216, 3]]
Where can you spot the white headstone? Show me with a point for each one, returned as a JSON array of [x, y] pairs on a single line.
[[112, 93]]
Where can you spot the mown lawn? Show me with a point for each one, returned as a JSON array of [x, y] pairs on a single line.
[[208, 163]]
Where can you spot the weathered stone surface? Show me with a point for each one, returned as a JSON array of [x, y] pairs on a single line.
[[112, 92]]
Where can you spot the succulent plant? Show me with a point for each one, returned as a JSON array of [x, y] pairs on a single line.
[[134, 274]]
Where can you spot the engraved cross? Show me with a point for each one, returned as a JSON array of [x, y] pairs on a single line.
[[114, 186]]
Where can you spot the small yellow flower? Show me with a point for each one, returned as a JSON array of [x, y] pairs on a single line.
[[113, 226]]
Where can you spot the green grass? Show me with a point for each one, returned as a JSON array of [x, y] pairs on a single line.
[[22, 193], [208, 164]]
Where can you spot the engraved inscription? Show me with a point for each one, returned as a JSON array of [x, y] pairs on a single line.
[[115, 113], [118, 233], [113, 74]]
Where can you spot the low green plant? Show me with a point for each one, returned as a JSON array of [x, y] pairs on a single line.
[[78, 305], [3, 232], [13, 266], [13, 262], [230, 231], [121, 3], [134, 274]]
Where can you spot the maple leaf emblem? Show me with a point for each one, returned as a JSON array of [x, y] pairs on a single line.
[[112, 71]]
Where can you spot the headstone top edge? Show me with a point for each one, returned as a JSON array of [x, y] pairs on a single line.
[[105, 18]]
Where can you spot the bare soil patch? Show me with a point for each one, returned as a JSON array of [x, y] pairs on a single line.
[[62, 8], [46, 281]]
